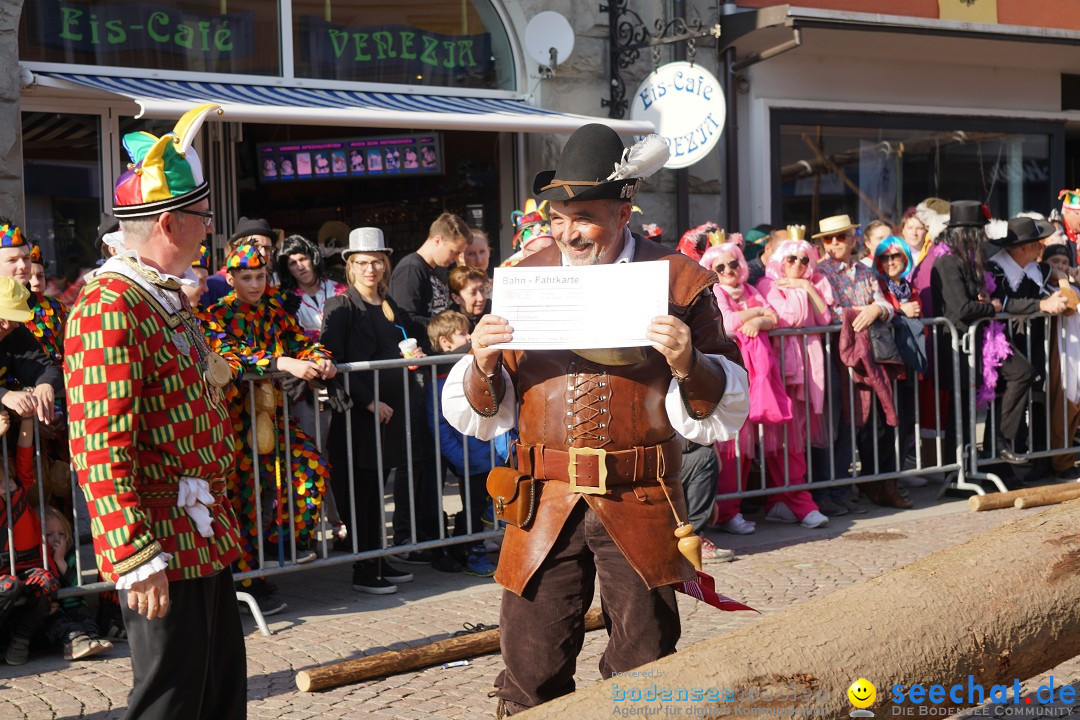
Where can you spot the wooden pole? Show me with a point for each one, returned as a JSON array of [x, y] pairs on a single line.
[[1000, 607], [414, 658], [996, 501], [1052, 496]]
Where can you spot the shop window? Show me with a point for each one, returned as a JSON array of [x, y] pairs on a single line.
[[870, 168], [214, 36], [62, 183], [410, 42]]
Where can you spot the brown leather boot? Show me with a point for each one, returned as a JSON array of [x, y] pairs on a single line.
[[891, 497]]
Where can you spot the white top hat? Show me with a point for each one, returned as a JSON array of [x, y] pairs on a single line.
[[366, 239]]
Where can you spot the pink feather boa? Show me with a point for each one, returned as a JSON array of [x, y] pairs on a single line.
[[995, 350]]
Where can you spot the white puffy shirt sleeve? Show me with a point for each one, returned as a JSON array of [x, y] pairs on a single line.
[[728, 417], [460, 414]]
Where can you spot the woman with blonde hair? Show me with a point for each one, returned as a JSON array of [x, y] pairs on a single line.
[[362, 324]]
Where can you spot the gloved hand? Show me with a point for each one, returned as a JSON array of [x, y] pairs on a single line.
[[194, 496], [337, 398], [294, 387]]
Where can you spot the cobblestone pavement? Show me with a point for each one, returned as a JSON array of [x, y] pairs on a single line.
[[326, 621]]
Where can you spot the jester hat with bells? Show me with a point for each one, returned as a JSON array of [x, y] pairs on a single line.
[[530, 222], [165, 172]]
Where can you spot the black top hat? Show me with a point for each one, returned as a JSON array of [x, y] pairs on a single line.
[[1024, 230], [246, 227], [587, 160], [967, 213]]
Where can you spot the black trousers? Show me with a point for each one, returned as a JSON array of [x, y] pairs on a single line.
[[1018, 376], [543, 631], [190, 664]]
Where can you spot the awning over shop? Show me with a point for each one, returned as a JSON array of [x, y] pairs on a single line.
[[312, 106]]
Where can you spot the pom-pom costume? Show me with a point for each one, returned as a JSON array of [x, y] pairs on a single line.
[[251, 337]]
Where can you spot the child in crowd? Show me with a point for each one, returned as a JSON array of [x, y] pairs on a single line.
[[748, 317], [252, 330], [470, 292], [34, 585], [471, 461], [876, 231], [70, 624]]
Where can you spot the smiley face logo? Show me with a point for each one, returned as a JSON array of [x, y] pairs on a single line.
[[862, 693]]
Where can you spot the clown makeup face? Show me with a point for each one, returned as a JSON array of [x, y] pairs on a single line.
[[248, 284], [727, 268]]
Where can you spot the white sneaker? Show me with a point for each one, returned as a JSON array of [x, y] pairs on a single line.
[[814, 519], [738, 525], [780, 512], [912, 481]]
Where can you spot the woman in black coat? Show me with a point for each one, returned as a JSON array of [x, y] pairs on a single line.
[[362, 325]]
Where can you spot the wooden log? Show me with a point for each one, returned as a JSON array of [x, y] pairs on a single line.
[[1000, 607], [996, 501], [1052, 496], [414, 658]]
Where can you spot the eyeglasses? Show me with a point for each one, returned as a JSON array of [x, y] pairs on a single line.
[[365, 264], [792, 259], [835, 239], [733, 266], [892, 256], [207, 217]]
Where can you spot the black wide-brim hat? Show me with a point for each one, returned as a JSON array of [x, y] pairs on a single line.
[[1024, 230], [587, 159]]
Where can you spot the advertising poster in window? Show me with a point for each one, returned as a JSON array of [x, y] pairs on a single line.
[[384, 156]]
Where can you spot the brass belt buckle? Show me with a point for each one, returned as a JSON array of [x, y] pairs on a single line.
[[601, 471]]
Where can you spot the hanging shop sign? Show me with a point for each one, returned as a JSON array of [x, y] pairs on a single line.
[[686, 105], [98, 28], [394, 155], [387, 53]]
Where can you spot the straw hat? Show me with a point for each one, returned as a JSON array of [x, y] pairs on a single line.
[[834, 225]]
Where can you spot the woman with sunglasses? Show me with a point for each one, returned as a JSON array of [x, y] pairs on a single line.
[[748, 318]]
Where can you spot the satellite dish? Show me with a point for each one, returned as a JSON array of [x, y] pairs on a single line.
[[549, 40]]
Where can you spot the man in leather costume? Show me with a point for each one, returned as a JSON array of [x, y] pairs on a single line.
[[627, 408]]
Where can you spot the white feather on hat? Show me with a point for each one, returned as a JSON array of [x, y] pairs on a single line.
[[934, 221]]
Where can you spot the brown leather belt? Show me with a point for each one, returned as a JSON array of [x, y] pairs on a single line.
[[165, 495], [590, 471]]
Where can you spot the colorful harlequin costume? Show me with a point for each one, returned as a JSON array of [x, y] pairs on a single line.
[[530, 225], [47, 325], [251, 337], [153, 445]]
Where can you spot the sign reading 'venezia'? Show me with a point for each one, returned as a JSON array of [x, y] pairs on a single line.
[[686, 104]]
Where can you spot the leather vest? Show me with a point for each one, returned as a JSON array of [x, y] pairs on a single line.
[[568, 401]]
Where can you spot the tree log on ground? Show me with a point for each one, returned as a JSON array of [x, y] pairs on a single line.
[[1000, 607]]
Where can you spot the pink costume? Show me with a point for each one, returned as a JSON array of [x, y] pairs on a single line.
[[769, 405]]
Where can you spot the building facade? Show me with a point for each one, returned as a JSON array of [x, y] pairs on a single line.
[[857, 106]]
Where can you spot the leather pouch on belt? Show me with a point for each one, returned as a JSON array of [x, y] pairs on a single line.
[[515, 496]]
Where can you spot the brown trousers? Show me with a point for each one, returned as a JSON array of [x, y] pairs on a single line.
[[543, 630]]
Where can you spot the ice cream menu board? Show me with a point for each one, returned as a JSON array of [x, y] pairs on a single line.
[[419, 154]]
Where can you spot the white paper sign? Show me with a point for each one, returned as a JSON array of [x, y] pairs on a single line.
[[580, 307]]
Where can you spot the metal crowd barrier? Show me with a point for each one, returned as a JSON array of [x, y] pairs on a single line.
[[968, 463], [866, 469], [982, 454]]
